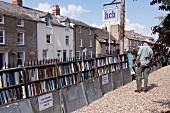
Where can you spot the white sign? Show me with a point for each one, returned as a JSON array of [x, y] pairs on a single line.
[[105, 79], [110, 14], [45, 101]]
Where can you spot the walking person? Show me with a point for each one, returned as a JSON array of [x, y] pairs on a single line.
[[145, 53]]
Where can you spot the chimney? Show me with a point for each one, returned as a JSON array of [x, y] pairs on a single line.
[[132, 31], [114, 29], [17, 2], [104, 27], [55, 10]]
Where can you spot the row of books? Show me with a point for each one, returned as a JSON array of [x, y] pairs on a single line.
[[87, 75], [102, 62], [11, 95], [68, 80], [10, 79], [103, 70], [41, 87], [124, 65], [85, 65], [40, 73], [67, 69]]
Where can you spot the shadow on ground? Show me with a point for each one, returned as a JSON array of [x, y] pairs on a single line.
[[151, 86]]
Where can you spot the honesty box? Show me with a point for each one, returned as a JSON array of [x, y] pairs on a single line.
[[45, 101], [110, 14]]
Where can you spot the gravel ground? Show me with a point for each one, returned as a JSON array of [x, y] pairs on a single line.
[[125, 100]]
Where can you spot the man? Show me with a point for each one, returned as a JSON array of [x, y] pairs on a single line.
[[145, 53]]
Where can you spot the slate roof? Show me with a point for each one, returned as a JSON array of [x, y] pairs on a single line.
[[9, 9], [103, 36], [79, 23]]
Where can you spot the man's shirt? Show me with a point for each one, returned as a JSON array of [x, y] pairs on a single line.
[[145, 53]]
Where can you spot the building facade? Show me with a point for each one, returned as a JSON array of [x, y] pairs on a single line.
[[84, 39], [17, 35]]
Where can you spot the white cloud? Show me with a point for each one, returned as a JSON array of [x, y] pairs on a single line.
[[138, 28], [73, 11], [44, 7]]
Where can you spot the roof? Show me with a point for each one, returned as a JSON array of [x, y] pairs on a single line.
[[103, 36], [79, 23], [134, 36], [9, 9]]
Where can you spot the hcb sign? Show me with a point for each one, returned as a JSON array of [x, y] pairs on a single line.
[[110, 14]]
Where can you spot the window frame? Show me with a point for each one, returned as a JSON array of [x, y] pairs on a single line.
[[70, 53], [90, 43], [48, 22], [78, 55], [81, 43], [22, 59], [3, 37], [21, 23], [50, 38], [44, 50], [91, 54], [67, 40], [22, 37], [2, 19]]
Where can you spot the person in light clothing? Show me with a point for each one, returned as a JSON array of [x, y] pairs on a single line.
[[145, 53]]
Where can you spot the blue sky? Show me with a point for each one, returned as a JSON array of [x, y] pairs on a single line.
[[139, 15]]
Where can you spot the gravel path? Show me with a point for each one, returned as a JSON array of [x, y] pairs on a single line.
[[125, 100]]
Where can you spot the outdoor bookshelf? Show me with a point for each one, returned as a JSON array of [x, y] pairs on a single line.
[[68, 73], [87, 69], [12, 85], [123, 61], [41, 79], [102, 66]]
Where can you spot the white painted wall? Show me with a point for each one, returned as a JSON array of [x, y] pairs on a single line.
[[58, 40], [60, 34]]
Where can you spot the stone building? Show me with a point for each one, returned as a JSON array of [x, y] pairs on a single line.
[[102, 43], [18, 34]]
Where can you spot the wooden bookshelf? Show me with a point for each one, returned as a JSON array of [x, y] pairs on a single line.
[[12, 87], [68, 73], [41, 79]]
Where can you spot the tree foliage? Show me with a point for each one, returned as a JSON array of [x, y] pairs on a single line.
[[163, 29]]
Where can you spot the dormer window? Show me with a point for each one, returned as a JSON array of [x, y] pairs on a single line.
[[48, 21], [20, 22], [67, 24], [1, 19]]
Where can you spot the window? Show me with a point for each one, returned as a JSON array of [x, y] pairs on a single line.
[[49, 39], [78, 55], [1, 19], [89, 31], [48, 21], [20, 22], [80, 44], [44, 54], [90, 43], [20, 38], [2, 37], [90, 54], [80, 29], [130, 42], [21, 57], [70, 54], [67, 25], [67, 40]]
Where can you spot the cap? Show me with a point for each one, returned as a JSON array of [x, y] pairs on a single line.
[[147, 40]]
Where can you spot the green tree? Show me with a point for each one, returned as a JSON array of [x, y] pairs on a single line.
[[163, 29]]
